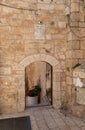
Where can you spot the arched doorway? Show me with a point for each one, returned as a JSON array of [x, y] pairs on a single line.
[[56, 69], [39, 74]]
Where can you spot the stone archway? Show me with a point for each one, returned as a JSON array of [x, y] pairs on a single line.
[[55, 83]]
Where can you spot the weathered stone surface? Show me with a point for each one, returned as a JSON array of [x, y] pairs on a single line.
[[74, 7], [78, 54], [80, 96], [60, 45], [5, 70], [75, 54]]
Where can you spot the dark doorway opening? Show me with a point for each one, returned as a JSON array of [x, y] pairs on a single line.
[[39, 74]]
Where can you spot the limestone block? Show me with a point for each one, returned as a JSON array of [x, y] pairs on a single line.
[[30, 51], [82, 45], [56, 77], [51, 60], [9, 101], [63, 94], [56, 104], [61, 18], [75, 1], [28, 26], [32, 6], [61, 56], [62, 24], [63, 76], [48, 37], [45, 6], [75, 17], [3, 22], [81, 24], [57, 68], [78, 54], [77, 110], [74, 23], [69, 54], [58, 1], [63, 85], [56, 86], [69, 80], [5, 80], [51, 30], [21, 106], [70, 36], [60, 7], [58, 36], [79, 73], [5, 70], [7, 10], [45, 1], [69, 45], [84, 54], [63, 64], [82, 32], [33, 1], [69, 62], [68, 90], [74, 80], [14, 21], [56, 95], [80, 96], [40, 57], [81, 17], [76, 45], [75, 73], [75, 7]]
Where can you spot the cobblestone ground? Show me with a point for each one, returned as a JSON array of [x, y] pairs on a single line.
[[47, 118]]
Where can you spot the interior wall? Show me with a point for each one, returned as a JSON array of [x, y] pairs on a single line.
[[39, 73]]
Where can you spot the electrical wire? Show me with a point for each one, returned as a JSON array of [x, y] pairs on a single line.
[[13, 7], [21, 8]]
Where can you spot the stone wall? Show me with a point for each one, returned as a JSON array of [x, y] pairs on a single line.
[[75, 50], [30, 28], [40, 30]]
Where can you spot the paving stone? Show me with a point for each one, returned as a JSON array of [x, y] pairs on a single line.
[[79, 122], [47, 118], [50, 121], [75, 128], [38, 115], [83, 128], [60, 122], [64, 127], [56, 128], [54, 113], [69, 121]]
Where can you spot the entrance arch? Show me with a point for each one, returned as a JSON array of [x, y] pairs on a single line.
[[38, 57], [55, 82]]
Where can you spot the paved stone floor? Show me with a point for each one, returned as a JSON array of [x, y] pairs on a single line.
[[47, 118]]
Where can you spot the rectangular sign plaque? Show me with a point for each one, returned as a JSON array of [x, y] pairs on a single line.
[[40, 31]]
